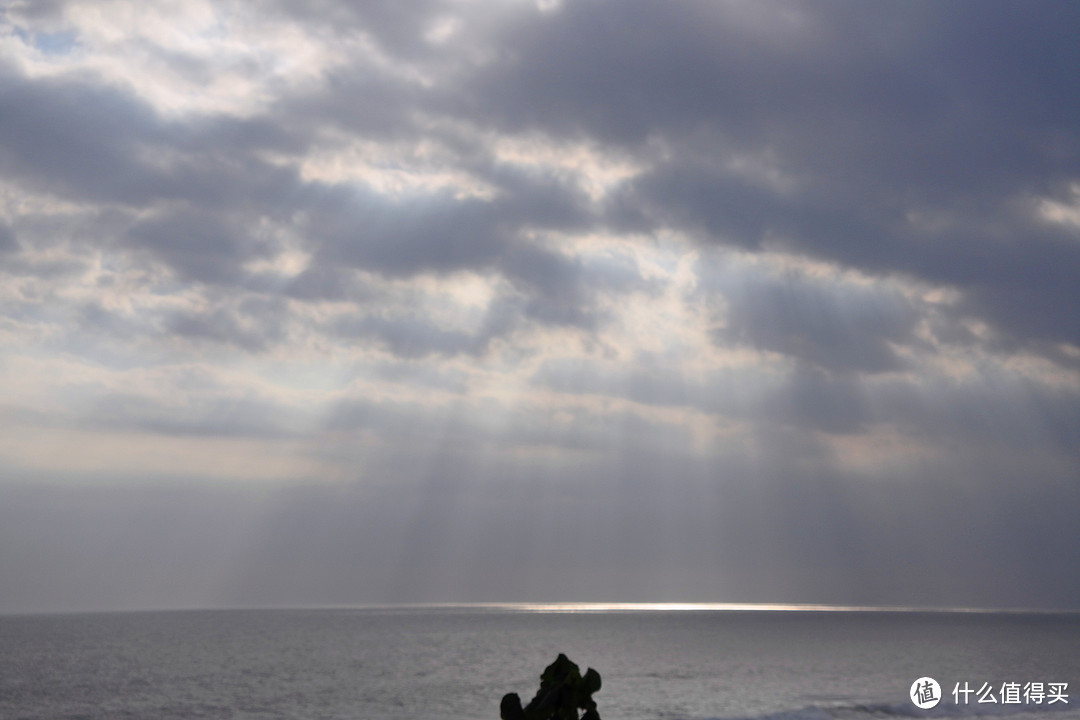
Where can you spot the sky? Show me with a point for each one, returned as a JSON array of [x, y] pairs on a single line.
[[331, 303]]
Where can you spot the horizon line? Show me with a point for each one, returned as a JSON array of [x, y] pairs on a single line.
[[570, 607], [575, 606]]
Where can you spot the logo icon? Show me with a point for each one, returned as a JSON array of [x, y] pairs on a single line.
[[925, 693]]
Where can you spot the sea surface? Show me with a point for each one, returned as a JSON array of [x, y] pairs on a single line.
[[456, 662]]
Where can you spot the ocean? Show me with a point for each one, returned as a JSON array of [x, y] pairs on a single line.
[[456, 663]]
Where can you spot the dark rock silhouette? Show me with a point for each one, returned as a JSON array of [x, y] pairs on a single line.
[[563, 691]]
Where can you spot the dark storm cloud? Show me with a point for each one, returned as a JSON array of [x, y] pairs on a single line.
[[411, 338], [834, 325], [356, 99], [208, 187], [615, 73], [83, 138], [703, 202], [198, 245], [41, 9], [869, 124], [73, 136], [953, 112], [440, 234], [324, 282], [8, 242], [443, 233], [787, 76], [561, 290], [555, 286]]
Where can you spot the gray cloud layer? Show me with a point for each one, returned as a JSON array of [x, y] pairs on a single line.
[[727, 287]]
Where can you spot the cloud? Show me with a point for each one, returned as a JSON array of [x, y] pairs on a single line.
[[891, 152], [254, 324], [411, 338], [724, 293], [80, 138], [198, 246], [209, 417], [8, 241], [398, 239], [832, 324]]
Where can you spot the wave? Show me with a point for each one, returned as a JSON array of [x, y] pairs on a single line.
[[868, 711]]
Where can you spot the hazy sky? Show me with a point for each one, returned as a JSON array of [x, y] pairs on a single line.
[[494, 300]]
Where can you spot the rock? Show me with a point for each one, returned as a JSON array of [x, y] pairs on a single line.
[[563, 691]]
